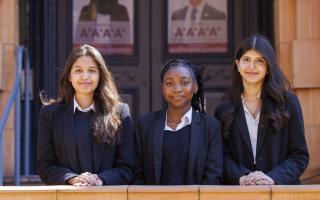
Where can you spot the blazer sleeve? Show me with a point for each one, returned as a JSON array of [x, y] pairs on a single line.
[[232, 171], [49, 169], [122, 172], [138, 168], [298, 157], [213, 167]]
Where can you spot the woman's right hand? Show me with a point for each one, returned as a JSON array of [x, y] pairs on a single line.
[[77, 181], [85, 179], [91, 179], [261, 178], [256, 178]]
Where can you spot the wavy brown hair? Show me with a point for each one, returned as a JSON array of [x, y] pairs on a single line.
[[274, 88], [106, 123]]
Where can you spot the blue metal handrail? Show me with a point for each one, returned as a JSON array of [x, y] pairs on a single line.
[[15, 97]]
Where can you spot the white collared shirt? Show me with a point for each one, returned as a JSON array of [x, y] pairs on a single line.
[[253, 124], [185, 121], [76, 106], [198, 14], [103, 19]]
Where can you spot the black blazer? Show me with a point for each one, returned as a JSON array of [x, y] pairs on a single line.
[[208, 13], [117, 13], [282, 155], [205, 153], [56, 161]]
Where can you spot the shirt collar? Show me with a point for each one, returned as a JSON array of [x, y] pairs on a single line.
[[247, 112], [76, 106], [185, 121]]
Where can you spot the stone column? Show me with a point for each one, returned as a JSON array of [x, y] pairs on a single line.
[[9, 39], [297, 30]]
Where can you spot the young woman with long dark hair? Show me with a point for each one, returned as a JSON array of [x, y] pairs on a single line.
[[262, 124]]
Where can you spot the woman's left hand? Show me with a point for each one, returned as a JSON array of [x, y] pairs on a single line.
[[260, 178], [91, 179]]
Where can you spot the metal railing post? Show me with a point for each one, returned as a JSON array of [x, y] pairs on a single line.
[[1, 161], [15, 97], [27, 116], [17, 138], [17, 153]]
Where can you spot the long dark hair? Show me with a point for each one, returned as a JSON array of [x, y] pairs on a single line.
[[274, 88], [106, 123], [197, 101]]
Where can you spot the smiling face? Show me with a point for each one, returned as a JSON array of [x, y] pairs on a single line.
[[178, 88], [84, 76], [252, 68]]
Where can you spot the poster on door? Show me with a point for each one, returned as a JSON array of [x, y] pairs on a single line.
[[106, 25], [197, 26]]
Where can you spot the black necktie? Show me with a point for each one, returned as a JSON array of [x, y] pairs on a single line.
[[193, 14]]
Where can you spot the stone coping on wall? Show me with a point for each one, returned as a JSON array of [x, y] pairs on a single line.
[[133, 192]]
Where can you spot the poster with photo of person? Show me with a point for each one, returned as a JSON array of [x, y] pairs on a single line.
[[197, 26], [106, 25]]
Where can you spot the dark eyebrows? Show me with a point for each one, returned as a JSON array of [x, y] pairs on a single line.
[[94, 67], [90, 67], [75, 67], [180, 78], [251, 57], [186, 77]]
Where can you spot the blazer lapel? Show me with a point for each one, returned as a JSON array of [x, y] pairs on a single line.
[[261, 132], [157, 144], [196, 131], [98, 151], [69, 136], [241, 126]]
